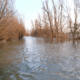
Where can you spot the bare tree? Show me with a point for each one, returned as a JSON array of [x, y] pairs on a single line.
[[61, 15], [40, 25], [52, 23], [55, 17], [46, 25], [6, 8], [10, 26], [49, 14], [74, 28], [76, 17]]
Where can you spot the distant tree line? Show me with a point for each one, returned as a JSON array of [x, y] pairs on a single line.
[[11, 27], [27, 33], [57, 20]]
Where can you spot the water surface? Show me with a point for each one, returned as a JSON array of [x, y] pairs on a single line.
[[39, 59]]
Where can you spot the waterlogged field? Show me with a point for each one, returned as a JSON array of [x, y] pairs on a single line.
[[39, 59]]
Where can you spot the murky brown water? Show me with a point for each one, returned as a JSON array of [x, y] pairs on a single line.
[[37, 59]]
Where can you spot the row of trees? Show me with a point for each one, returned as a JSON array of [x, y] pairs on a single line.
[[11, 27], [57, 20]]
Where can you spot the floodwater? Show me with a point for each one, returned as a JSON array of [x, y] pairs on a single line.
[[34, 58]]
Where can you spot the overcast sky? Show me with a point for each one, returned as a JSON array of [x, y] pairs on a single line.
[[29, 10]]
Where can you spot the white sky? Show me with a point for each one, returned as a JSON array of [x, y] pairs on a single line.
[[28, 9]]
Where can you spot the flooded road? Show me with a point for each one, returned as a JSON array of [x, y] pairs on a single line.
[[38, 59]]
